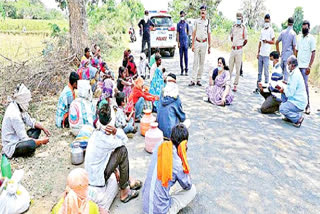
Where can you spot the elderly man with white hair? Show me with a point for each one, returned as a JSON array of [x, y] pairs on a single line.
[[294, 96], [16, 141]]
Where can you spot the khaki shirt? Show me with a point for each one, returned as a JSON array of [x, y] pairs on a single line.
[[239, 35], [202, 29]]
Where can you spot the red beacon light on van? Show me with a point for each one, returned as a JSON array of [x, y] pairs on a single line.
[[163, 11], [171, 29]]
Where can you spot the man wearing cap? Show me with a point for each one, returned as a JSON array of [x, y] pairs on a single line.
[[201, 35], [182, 39], [238, 37], [289, 42], [146, 24]]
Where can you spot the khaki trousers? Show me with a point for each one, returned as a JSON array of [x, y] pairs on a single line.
[[181, 198], [235, 60], [200, 49]]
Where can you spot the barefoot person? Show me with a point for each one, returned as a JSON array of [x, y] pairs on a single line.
[[238, 37], [16, 141], [168, 169], [200, 37], [105, 153]]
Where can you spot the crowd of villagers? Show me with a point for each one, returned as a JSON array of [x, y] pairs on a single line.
[[106, 110]]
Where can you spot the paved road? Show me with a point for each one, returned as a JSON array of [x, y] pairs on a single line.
[[241, 161]]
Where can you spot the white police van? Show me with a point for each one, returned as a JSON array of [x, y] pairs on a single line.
[[163, 35]]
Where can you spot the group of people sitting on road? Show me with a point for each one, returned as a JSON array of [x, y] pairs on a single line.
[[91, 100]]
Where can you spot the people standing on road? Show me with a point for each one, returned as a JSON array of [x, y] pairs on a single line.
[[201, 35], [219, 87], [239, 39], [145, 24], [294, 96], [266, 40], [271, 94], [183, 43], [306, 51], [288, 39]]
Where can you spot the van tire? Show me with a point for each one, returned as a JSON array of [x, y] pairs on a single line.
[[172, 51]]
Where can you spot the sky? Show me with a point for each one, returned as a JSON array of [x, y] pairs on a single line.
[[279, 10]]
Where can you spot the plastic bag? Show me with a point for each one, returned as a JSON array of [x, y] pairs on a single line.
[[14, 198]]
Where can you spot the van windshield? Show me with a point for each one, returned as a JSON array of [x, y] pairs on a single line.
[[161, 21]]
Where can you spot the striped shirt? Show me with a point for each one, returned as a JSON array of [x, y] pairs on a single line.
[[65, 99]]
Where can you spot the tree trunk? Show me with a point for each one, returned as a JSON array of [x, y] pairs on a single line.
[[78, 26]]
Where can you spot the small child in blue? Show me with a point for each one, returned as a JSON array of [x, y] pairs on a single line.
[[122, 120]]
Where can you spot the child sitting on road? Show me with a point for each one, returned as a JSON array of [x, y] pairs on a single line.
[[122, 120]]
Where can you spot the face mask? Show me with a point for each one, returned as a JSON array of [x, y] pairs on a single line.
[[238, 21], [305, 31], [266, 25], [182, 18], [146, 17], [219, 68]]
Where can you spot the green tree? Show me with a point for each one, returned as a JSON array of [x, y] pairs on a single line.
[[192, 8], [253, 12], [298, 19]]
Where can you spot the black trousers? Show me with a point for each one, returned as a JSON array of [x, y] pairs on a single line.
[[144, 42], [28, 147], [119, 158], [270, 105]]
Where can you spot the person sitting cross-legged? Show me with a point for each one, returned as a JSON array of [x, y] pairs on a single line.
[[16, 141], [105, 153], [170, 112], [218, 90], [294, 96], [168, 166]]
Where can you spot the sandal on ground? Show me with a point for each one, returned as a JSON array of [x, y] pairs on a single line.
[[199, 83], [298, 124], [286, 120], [131, 195], [234, 88], [137, 185], [192, 84]]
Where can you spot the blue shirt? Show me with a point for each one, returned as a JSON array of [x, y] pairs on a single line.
[[182, 29], [306, 46], [65, 99], [156, 198], [146, 28], [288, 38], [296, 90]]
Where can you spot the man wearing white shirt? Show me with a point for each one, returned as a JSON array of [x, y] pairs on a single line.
[[306, 51], [267, 39]]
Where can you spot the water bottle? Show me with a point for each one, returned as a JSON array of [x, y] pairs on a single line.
[[76, 154], [5, 167]]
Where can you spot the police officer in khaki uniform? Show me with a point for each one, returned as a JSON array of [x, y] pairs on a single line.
[[239, 40], [200, 37]]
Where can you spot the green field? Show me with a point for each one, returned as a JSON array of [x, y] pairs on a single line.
[[30, 25]]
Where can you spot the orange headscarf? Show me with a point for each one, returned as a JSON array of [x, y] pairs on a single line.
[[165, 161], [76, 193]]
